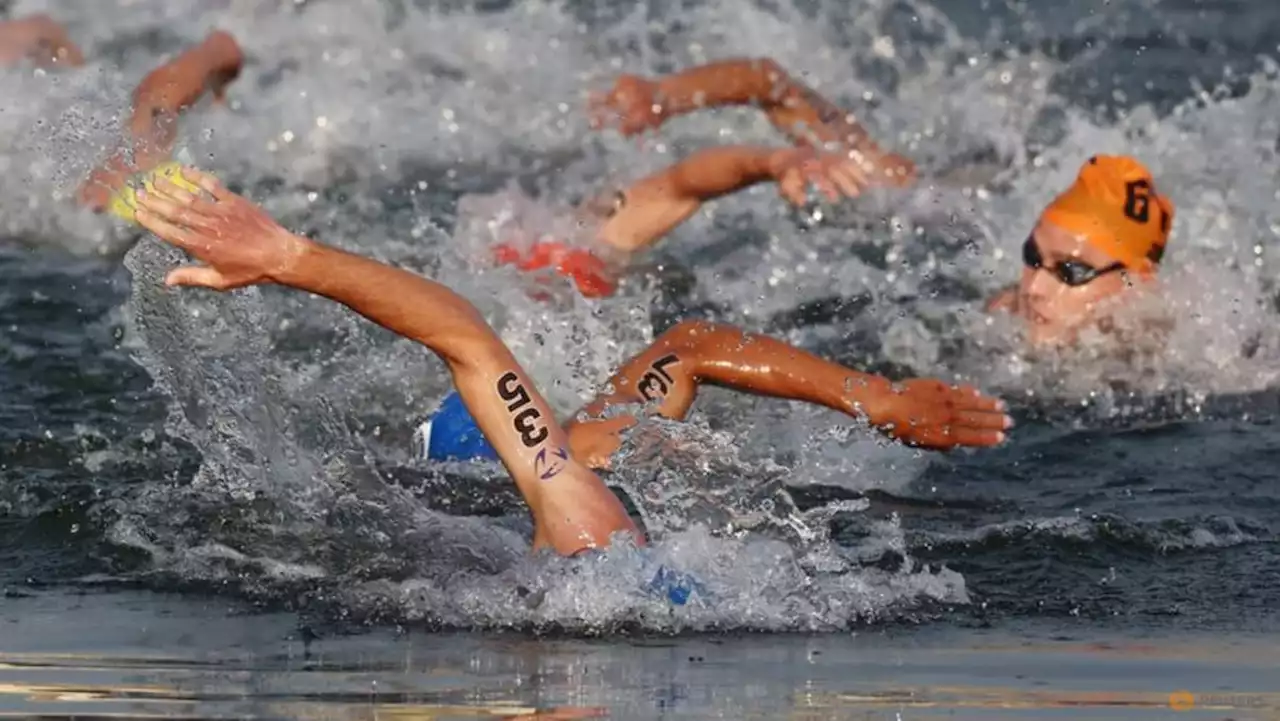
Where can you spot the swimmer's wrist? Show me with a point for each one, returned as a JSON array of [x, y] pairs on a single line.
[[298, 262], [868, 397], [777, 161]]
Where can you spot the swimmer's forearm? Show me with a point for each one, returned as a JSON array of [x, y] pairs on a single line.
[[795, 109], [173, 87], [767, 366], [713, 172], [692, 354], [739, 81], [402, 302], [658, 203]]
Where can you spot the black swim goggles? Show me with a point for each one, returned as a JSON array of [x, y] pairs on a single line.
[[1071, 272]]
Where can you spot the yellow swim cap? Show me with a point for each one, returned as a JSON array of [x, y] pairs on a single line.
[[124, 202], [1115, 206]]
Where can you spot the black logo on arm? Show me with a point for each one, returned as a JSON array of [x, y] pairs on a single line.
[[548, 465], [525, 422], [1137, 200], [656, 384]]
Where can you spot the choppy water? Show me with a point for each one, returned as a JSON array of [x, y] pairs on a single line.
[[270, 461], [129, 654]]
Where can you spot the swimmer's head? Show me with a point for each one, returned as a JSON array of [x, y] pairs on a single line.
[[1090, 245], [452, 434]]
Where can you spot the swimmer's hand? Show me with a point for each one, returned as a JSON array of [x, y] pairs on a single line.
[[928, 413], [631, 106], [238, 242], [884, 168], [835, 175]]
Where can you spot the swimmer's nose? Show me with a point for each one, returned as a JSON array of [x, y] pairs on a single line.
[[1042, 284]]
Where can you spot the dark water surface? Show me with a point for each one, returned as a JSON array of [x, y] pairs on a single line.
[[139, 655]]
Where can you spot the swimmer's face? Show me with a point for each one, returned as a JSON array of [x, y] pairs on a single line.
[[1053, 309]]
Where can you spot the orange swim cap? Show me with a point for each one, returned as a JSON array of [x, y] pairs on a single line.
[[1115, 206]]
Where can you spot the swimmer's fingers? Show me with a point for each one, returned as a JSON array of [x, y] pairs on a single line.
[[173, 234], [158, 222], [982, 421], [942, 438], [792, 187], [207, 183], [820, 177], [196, 210], [973, 399], [173, 191], [970, 437], [848, 179], [171, 209], [196, 276], [185, 240]]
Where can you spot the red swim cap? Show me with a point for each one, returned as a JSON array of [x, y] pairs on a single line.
[[588, 272]]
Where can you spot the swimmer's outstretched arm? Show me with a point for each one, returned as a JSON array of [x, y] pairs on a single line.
[[653, 206], [636, 104], [157, 102], [241, 246], [40, 39], [920, 412]]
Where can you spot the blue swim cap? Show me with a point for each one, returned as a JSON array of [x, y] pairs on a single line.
[[451, 434]]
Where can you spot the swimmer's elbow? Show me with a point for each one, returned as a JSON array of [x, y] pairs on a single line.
[[466, 350]]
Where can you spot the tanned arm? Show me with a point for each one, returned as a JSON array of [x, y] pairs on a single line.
[[158, 101], [920, 412], [636, 104], [241, 245], [655, 205]]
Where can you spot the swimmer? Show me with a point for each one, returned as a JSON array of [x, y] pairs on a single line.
[[39, 39], [637, 104], [573, 510], [832, 153], [1097, 244], [158, 100], [919, 412]]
